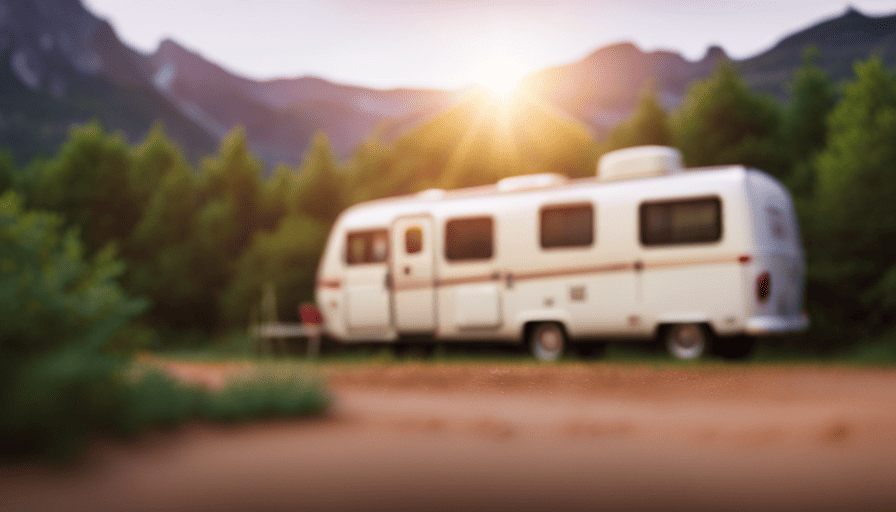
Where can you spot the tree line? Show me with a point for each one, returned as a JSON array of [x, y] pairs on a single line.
[[198, 243]]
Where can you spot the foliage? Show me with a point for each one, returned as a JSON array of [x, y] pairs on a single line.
[[372, 172], [877, 350], [721, 122], [59, 313], [482, 139], [286, 258], [157, 400], [87, 182], [805, 122], [153, 161], [230, 190], [9, 176], [649, 125], [856, 189], [201, 244], [321, 189]]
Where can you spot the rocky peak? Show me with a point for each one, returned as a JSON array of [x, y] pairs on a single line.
[[714, 55]]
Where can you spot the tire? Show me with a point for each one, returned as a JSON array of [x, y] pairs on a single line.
[[686, 342], [547, 342], [738, 347]]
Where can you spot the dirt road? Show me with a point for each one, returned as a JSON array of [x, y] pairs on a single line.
[[516, 437]]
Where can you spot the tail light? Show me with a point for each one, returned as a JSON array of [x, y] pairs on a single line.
[[763, 286], [309, 314]]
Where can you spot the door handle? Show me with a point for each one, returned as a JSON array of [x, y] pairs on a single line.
[[407, 270], [388, 280]]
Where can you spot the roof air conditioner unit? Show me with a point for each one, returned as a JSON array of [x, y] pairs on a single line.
[[530, 182], [638, 162]]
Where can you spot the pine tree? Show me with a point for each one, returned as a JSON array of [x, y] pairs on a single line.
[[721, 122]]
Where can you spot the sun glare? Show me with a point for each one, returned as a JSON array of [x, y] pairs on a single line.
[[500, 75], [500, 84]]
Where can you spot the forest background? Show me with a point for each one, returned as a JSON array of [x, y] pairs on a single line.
[[195, 246]]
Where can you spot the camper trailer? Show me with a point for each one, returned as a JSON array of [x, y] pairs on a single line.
[[700, 259]]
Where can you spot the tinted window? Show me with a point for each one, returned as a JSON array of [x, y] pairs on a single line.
[[776, 224], [469, 239], [367, 247], [567, 226], [413, 240], [681, 222]]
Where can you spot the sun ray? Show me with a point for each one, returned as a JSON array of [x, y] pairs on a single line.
[[465, 145]]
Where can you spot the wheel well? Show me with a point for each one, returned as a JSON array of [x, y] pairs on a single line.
[[528, 326], [662, 328]]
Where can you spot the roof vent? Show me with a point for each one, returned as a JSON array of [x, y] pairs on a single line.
[[638, 162], [530, 182]]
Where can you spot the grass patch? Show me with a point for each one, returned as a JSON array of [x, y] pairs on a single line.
[[270, 390], [879, 350]]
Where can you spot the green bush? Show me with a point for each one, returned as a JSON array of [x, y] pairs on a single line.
[[59, 312], [158, 400], [62, 321]]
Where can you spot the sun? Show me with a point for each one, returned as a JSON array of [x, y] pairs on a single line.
[[499, 82], [499, 74]]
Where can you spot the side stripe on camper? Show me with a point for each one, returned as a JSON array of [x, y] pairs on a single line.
[[637, 266]]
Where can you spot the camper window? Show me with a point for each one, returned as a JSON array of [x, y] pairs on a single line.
[[681, 222], [569, 225], [413, 240], [776, 223], [469, 239], [367, 247]]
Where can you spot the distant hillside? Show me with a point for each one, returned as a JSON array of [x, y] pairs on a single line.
[[602, 89], [480, 140], [60, 65], [840, 42], [281, 116]]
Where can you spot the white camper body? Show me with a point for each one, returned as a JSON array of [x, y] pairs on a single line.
[[644, 249]]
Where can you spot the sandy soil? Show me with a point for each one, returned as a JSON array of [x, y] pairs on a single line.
[[514, 437]]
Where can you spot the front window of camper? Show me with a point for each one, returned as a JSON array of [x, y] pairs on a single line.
[[681, 222], [567, 226], [367, 247], [469, 239], [776, 223]]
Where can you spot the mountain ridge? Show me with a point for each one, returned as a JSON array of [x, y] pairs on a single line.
[[63, 65]]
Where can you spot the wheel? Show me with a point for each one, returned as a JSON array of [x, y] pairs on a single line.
[[686, 341], [547, 341], [737, 347]]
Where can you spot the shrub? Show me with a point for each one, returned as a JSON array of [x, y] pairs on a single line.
[[59, 312]]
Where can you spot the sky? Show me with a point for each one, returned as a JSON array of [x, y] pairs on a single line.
[[451, 44]]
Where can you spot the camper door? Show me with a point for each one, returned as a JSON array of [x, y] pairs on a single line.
[[413, 291], [368, 305]]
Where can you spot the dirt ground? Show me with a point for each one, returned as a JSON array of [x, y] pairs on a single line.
[[505, 436]]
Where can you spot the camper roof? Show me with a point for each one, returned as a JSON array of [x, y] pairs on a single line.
[[378, 211]]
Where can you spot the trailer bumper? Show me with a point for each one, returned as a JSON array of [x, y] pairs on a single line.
[[769, 325]]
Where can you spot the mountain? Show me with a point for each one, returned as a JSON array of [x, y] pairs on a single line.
[[60, 65], [840, 43], [63, 66], [281, 116], [602, 89]]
